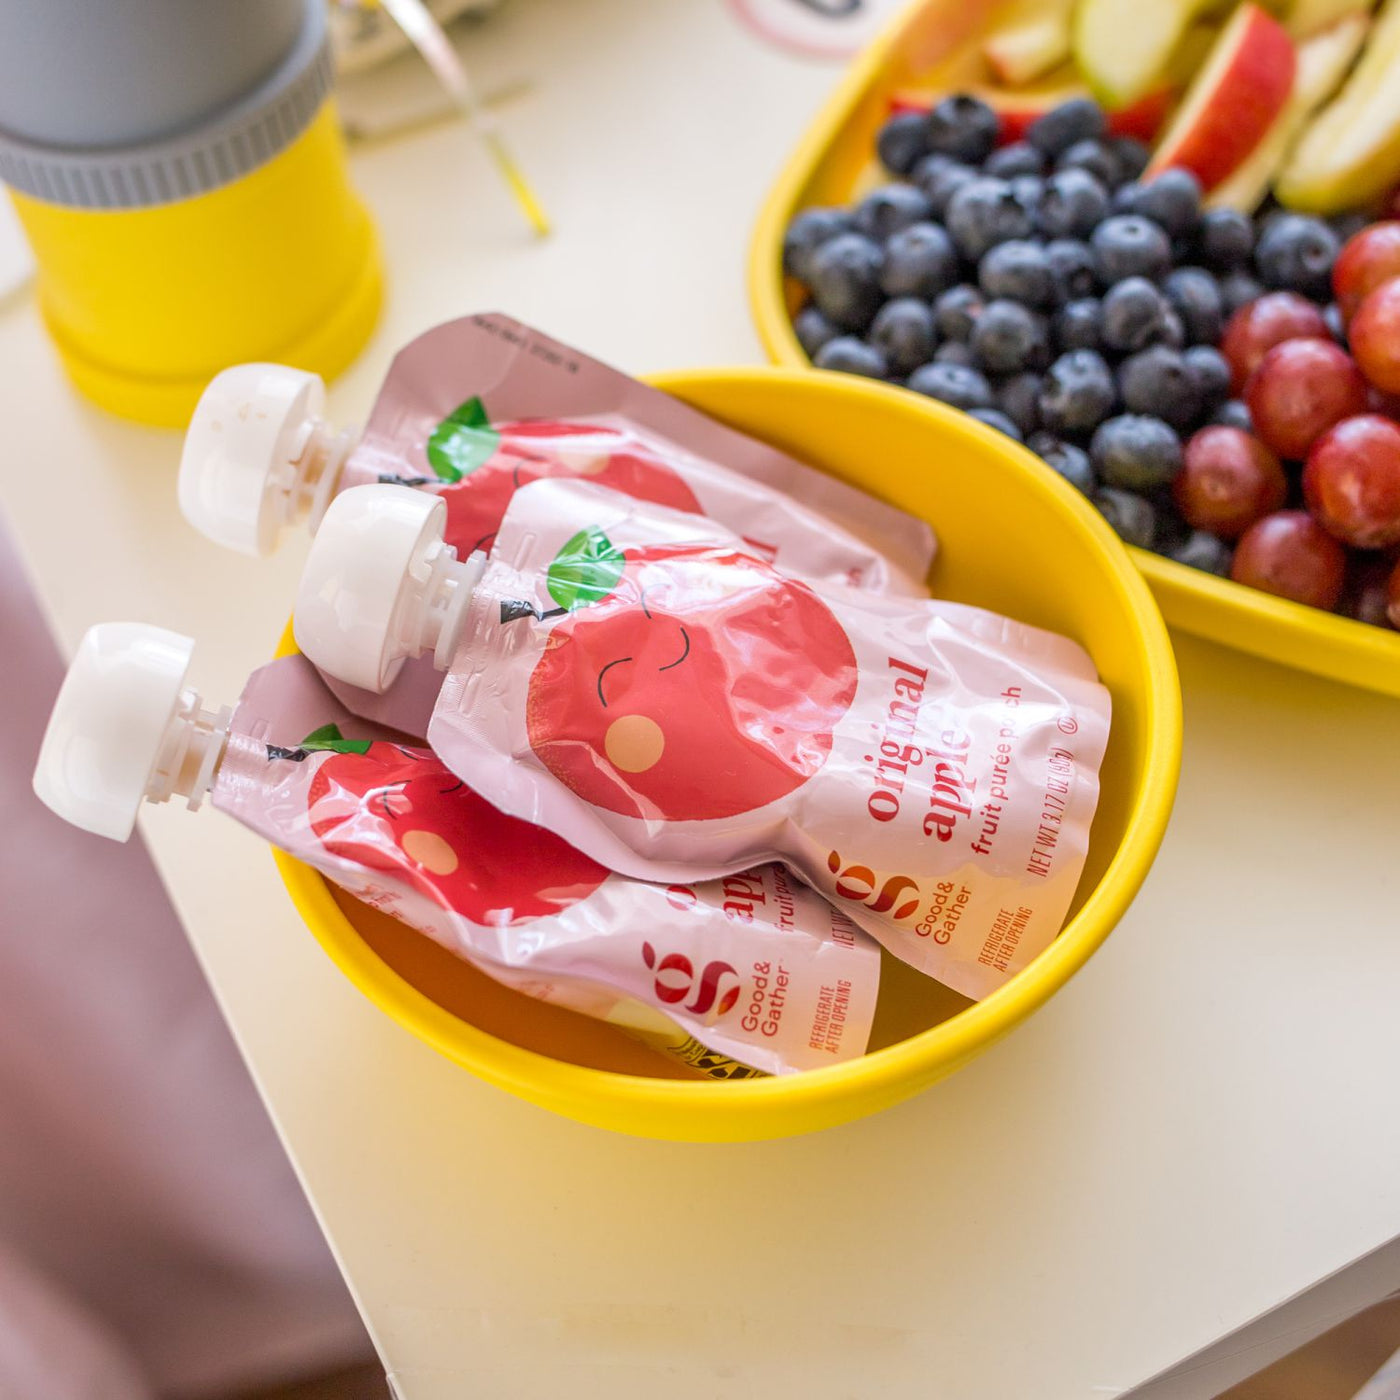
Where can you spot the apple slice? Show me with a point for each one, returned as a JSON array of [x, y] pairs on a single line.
[[1323, 61], [1236, 98], [1304, 18], [1124, 47], [1018, 110], [1351, 153], [1033, 39]]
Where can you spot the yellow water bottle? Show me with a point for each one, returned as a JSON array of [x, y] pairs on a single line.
[[178, 170]]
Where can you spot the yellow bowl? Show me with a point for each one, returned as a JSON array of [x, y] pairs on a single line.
[[925, 48], [1014, 538]]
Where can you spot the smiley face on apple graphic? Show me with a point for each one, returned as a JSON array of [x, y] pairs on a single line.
[[687, 684], [485, 464], [398, 809]]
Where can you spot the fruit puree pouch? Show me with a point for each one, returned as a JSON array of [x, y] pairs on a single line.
[[752, 972], [478, 407], [641, 682]]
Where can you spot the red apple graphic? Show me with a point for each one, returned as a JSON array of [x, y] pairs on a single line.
[[689, 684], [485, 464], [398, 809]]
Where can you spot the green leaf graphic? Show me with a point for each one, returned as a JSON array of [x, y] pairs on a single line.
[[328, 736], [462, 441], [586, 570]]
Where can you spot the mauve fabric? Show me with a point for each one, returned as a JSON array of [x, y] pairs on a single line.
[[52, 1347], [138, 1170]]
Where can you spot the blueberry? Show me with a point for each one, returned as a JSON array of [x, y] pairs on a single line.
[[1018, 269], [1172, 200], [1133, 519], [1172, 529], [1172, 333], [1237, 289], [963, 127], [1018, 397], [902, 140], [1212, 375], [1124, 198], [957, 385], [956, 352], [1234, 413], [1072, 263], [920, 261], [984, 212], [1226, 239], [1183, 248], [813, 329], [1009, 337], [1078, 393], [1094, 158], [1069, 461], [1195, 296], [1296, 252], [1332, 314], [956, 312], [890, 208], [1029, 190], [1079, 119], [939, 177], [806, 233], [1076, 324], [1073, 205], [1159, 381], [1347, 226], [1132, 155], [1136, 452], [1129, 246], [1019, 158], [851, 355], [903, 331], [1203, 551], [845, 280], [995, 418], [1135, 315]]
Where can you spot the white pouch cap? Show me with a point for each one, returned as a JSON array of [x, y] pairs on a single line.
[[258, 456], [125, 729], [381, 586]]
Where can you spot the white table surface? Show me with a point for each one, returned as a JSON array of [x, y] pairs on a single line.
[[1200, 1126]]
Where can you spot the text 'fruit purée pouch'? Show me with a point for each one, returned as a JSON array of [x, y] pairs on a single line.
[[478, 407], [752, 972], [643, 683]]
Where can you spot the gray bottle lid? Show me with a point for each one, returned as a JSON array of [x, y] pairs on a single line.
[[191, 152]]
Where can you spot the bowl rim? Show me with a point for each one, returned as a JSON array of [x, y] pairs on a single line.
[[686, 1108], [1273, 629]]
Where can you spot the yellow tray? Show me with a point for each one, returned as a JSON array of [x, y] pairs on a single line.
[[925, 47], [1040, 529]]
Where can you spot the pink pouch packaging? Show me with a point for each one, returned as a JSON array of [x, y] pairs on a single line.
[[478, 407], [750, 973], [641, 682]]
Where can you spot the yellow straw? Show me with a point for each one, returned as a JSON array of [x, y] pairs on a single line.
[[427, 36]]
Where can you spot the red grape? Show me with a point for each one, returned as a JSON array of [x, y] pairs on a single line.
[[1261, 324], [1227, 481], [1378, 401], [1365, 597], [1289, 554], [1352, 481], [1368, 259], [1300, 389], [1374, 335]]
